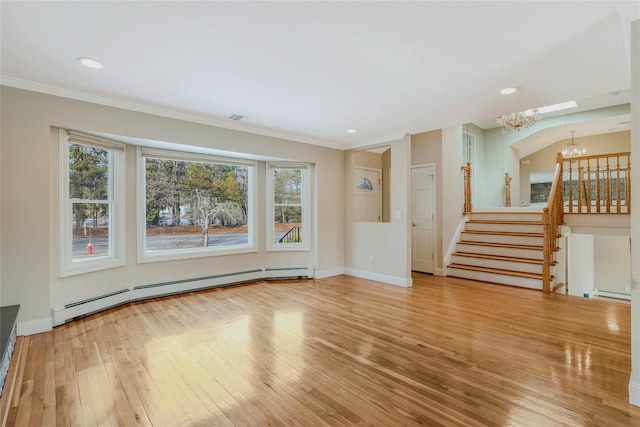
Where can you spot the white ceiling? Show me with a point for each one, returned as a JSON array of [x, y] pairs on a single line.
[[311, 70]]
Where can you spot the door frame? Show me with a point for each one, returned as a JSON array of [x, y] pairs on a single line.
[[434, 247]]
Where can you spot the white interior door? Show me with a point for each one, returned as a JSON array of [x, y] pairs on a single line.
[[368, 200], [422, 218]]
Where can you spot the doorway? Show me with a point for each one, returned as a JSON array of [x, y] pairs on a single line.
[[423, 218]]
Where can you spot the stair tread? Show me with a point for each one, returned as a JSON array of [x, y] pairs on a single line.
[[500, 257], [505, 233], [501, 245], [510, 212], [502, 221], [496, 271]]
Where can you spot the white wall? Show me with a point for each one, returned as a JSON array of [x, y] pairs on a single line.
[[581, 269], [388, 243], [477, 164], [612, 263], [634, 381], [29, 239], [498, 159]]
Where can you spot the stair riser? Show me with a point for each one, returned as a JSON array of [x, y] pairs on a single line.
[[496, 238], [498, 264], [493, 216], [504, 228], [497, 250], [495, 278]]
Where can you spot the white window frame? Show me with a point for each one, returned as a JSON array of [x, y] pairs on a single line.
[[272, 245], [145, 256], [115, 199]]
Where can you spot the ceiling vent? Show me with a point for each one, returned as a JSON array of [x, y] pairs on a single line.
[[237, 117]]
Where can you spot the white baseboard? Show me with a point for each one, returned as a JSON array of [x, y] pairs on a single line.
[[634, 393], [405, 282], [454, 240], [141, 292], [323, 274], [439, 272], [77, 309], [35, 326]]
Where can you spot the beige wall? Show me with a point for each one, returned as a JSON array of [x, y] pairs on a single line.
[[545, 159], [426, 148], [29, 215], [387, 242]]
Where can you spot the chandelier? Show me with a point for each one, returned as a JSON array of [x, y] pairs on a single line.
[[516, 121], [573, 149]]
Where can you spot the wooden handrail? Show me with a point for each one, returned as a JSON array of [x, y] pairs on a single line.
[[468, 208], [552, 218]]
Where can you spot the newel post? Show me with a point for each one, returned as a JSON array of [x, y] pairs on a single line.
[[546, 253], [467, 188]]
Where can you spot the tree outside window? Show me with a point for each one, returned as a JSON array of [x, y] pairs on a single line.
[[191, 205], [89, 195], [92, 229], [288, 206]]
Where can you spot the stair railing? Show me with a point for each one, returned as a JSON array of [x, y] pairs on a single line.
[[292, 236], [467, 188], [552, 218], [599, 184]]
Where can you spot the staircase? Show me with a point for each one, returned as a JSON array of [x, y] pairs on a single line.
[[501, 247]]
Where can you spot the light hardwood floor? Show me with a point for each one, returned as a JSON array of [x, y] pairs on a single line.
[[337, 351]]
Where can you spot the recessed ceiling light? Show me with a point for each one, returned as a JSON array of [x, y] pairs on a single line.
[[352, 131], [90, 63], [509, 90]]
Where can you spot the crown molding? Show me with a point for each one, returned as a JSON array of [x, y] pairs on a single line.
[[157, 111]]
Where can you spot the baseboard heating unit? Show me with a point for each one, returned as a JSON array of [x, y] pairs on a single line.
[[71, 311]]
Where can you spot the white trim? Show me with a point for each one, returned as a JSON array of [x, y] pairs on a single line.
[[66, 312], [93, 141], [440, 272], [404, 282], [35, 326], [434, 204], [608, 294], [180, 254], [323, 274], [144, 291], [141, 108], [306, 170], [454, 242], [116, 198], [634, 393], [189, 156]]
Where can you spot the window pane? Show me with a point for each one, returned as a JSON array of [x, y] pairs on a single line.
[[288, 224], [88, 172], [287, 186], [90, 230], [195, 205]]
